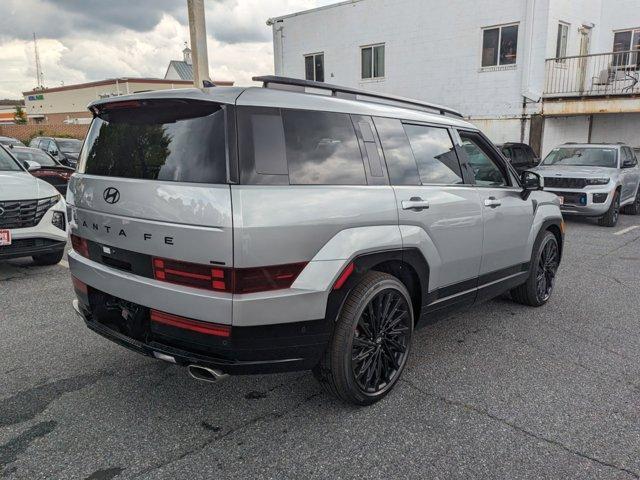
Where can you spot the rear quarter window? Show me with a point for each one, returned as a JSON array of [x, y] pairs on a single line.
[[298, 147]]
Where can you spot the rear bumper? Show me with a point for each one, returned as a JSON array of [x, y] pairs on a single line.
[[249, 350]]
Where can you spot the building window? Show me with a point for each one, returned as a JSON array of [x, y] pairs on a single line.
[[499, 46], [314, 67], [624, 41], [561, 45], [372, 61]]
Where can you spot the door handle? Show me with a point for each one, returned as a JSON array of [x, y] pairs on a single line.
[[415, 203], [492, 202]]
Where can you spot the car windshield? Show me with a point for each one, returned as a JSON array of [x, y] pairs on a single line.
[[8, 164], [69, 146], [35, 156], [582, 156]]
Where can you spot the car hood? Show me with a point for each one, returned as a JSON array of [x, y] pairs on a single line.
[[23, 186], [574, 171]]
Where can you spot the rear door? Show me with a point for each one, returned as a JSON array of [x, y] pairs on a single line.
[[153, 180], [507, 217], [432, 194]]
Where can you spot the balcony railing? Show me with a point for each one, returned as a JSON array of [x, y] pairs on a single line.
[[600, 74]]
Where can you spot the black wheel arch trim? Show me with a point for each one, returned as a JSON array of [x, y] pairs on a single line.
[[555, 222], [380, 260]]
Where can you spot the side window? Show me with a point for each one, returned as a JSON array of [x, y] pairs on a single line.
[[435, 155], [397, 152], [322, 149], [261, 146], [519, 156], [485, 169]]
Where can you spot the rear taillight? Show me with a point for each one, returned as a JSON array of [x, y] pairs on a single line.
[[80, 245], [79, 285], [192, 275], [242, 280], [205, 328], [262, 279]]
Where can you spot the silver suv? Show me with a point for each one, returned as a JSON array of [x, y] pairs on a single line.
[[596, 180], [296, 226]]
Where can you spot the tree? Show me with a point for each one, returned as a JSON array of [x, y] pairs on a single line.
[[20, 117]]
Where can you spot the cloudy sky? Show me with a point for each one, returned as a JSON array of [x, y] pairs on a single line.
[[85, 40]]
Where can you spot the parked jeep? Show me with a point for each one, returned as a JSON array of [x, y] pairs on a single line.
[[250, 230], [596, 180]]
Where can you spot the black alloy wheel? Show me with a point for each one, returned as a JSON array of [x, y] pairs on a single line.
[[381, 341], [541, 279], [547, 267], [371, 341]]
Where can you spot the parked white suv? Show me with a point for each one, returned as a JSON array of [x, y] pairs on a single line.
[[32, 214], [593, 180]]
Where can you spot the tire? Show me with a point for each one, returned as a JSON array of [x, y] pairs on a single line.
[[362, 364], [610, 219], [48, 258], [634, 208], [544, 266]]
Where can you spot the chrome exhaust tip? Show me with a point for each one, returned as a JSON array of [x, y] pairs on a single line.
[[206, 374]]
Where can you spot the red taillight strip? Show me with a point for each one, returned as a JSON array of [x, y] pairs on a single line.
[[80, 245], [79, 285], [230, 280], [205, 328], [344, 276]]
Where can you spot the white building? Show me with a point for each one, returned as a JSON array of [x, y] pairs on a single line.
[[503, 64]]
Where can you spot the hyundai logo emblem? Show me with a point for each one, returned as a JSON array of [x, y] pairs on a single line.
[[111, 195]]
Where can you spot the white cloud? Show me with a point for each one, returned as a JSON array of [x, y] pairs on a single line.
[[239, 43]]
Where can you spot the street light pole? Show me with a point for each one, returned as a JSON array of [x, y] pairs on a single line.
[[198, 32]]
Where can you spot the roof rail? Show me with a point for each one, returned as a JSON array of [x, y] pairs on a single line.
[[300, 85]]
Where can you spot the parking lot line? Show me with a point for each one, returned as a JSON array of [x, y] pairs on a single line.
[[626, 230], [64, 263]]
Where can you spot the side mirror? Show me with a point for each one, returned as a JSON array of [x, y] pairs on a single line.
[[53, 153], [31, 166], [531, 181]]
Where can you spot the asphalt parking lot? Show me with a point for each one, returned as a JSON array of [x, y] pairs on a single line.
[[501, 391]]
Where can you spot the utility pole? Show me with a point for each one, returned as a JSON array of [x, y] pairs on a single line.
[[198, 32]]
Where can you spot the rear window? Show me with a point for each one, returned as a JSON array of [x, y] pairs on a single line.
[[179, 141], [69, 146]]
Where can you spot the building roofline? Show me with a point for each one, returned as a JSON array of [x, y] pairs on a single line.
[[272, 20], [108, 81], [112, 81]]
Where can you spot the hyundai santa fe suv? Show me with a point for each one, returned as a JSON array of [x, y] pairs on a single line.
[[594, 180], [250, 230]]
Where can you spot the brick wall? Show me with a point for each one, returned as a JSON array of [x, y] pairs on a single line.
[[26, 132]]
